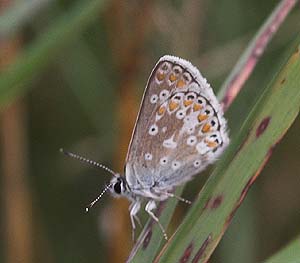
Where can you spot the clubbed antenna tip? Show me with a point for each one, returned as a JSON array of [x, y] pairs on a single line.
[[87, 209]]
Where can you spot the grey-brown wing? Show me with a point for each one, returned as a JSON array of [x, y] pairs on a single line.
[[180, 128]]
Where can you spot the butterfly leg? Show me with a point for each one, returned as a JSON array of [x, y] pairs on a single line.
[[149, 207], [176, 196], [131, 207], [134, 208]]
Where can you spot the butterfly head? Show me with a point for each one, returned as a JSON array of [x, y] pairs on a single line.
[[119, 186]]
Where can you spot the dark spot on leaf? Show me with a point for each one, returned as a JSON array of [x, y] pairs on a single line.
[[263, 126], [282, 81], [216, 202], [187, 253], [201, 250]]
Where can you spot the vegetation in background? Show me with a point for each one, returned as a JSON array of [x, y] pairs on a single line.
[[72, 75]]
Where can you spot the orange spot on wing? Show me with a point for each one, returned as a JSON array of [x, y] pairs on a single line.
[[161, 110], [187, 102], [160, 76], [206, 127], [202, 117], [173, 105], [211, 144], [172, 77], [197, 107], [180, 83]]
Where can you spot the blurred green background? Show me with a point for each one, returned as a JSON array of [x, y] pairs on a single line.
[[81, 68]]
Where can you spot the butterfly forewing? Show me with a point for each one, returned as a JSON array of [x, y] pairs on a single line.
[[180, 127]]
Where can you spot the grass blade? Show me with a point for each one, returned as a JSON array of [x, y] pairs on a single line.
[[247, 62]]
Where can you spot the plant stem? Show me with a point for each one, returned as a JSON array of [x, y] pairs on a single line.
[[245, 66]]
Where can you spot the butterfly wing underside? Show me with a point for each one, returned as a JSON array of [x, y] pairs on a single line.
[[180, 128]]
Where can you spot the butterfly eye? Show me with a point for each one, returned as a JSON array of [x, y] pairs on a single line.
[[117, 187]]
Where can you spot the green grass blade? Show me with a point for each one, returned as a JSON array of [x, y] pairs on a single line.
[[13, 80], [211, 214], [290, 253]]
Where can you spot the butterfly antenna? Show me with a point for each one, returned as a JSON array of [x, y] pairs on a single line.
[[85, 160], [87, 209]]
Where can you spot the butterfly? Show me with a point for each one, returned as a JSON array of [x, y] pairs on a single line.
[[180, 130]]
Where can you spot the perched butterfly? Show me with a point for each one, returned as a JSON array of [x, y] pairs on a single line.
[[180, 129]]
